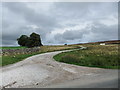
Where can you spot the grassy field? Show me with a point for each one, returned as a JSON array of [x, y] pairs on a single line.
[[95, 56], [17, 47], [15, 58]]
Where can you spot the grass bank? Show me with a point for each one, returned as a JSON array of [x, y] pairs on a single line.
[[95, 56], [6, 60], [17, 47]]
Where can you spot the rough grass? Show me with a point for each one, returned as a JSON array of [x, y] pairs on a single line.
[[95, 56], [5, 60], [56, 48]]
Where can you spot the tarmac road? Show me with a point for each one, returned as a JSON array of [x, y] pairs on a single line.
[[42, 71]]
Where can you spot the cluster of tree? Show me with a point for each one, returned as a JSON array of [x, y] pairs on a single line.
[[32, 41]]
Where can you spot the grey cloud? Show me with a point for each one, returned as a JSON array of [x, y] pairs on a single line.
[[11, 42], [85, 11], [71, 35], [30, 15], [17, 16], [100, 33], [105, 32], [59, 39]]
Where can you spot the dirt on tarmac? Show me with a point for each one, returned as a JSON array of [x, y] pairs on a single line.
[[42, 71]]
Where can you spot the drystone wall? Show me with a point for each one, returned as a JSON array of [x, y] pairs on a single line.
[[6, 52]]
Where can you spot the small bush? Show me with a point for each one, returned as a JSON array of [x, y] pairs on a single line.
[[33, 41]]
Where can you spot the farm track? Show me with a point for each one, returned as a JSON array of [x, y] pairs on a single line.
[[43, 71]]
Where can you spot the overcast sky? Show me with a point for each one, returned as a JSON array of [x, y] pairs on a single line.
[[60, 22]]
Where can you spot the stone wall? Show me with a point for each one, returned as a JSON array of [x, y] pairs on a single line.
[[6, 52]]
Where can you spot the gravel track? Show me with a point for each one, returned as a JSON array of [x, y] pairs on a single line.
[[42, 71]]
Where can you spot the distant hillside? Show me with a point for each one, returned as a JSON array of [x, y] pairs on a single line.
[[106, 42]]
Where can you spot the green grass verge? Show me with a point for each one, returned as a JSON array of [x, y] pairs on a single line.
[[17, 47], [94, 56], [13, 59]]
